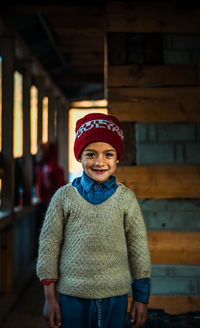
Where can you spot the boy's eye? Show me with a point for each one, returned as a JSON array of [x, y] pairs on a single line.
[[109, 154], [90, 155]]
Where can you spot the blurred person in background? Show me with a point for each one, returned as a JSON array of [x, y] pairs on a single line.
[[49, 176]]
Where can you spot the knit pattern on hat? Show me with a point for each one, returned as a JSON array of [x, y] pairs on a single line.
[[91, 249], [98, 127]]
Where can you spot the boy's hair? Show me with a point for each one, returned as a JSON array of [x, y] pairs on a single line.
[[98, 127]]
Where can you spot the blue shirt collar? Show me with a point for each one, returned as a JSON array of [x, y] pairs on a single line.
[[87, 183]]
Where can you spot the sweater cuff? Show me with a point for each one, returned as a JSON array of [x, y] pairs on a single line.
[[47, 281], [141, 290]]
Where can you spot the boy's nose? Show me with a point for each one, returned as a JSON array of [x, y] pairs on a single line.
[[99, 160]]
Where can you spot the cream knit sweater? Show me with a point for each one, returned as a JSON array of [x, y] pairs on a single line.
[[93, 250]]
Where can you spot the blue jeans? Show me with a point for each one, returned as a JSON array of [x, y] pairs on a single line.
[[90, 313]]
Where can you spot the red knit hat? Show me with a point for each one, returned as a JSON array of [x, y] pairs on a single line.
[[98, 127]]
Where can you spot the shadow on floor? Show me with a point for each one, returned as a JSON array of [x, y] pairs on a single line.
[[27, 313]]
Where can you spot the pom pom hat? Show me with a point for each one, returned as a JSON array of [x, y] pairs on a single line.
[[97, 127]]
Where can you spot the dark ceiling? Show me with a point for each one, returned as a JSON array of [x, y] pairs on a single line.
[[68, 40], [67, 37]]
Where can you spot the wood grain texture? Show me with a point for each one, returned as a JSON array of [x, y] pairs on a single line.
[[171, 247], [178, 104], [161, 181], [139, 75], [144, 17]]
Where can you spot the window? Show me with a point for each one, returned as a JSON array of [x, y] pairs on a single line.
[[34, 119], [45, 119], [18, 116]]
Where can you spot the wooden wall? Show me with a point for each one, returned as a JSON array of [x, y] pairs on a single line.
[[152, 84]]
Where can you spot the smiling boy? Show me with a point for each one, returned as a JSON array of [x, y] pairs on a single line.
[[93, 241]]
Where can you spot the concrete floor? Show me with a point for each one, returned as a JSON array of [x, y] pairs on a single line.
[[27, 313]]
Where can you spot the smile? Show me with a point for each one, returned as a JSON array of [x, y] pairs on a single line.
[[99, 171]]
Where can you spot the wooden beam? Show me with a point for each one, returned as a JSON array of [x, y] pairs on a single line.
[[81, 18], [7, 53], [173, 304], [81, 79], [84, 12], [161, 181], [155, 104], [40, 85], [171, 247], [91, 58], [167, 75], [27, 171], [51, 118], [150, 17], [62, 137]]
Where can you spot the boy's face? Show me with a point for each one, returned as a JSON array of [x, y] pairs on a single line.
[[99, 161]]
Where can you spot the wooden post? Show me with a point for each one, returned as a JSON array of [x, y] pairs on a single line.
[[62, 136], [51, 118], [27, 159], [40, 106], [7, 53]]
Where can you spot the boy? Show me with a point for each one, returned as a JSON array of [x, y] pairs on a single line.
[[93, 237]]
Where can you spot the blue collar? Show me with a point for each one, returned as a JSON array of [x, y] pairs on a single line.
[[87, 183]]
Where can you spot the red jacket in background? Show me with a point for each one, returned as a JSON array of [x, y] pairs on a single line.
[[49, 175]]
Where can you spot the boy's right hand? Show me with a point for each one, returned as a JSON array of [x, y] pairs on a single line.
[[51, 311]]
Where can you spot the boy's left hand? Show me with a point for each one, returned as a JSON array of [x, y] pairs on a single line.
[[138, 314]]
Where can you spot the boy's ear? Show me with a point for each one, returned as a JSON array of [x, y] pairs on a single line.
[[117, 161]]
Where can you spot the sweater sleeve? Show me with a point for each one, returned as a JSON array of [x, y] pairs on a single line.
[[50, 239], [136, 236]]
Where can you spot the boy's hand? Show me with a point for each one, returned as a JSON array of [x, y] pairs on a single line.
[[51, 311], [138, 314]]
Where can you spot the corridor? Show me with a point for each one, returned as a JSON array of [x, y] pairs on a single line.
[[138, 61]]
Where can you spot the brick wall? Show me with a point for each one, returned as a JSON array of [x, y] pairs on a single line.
[[167, 143]]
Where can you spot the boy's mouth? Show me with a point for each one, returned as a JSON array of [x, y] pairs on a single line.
[[98, 171]]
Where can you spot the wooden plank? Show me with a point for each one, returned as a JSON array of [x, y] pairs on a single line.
[[138, 75], [129, 143], [81, 79], [82, 12], [86, 43], [173, 304], [161, 181], [144, 17], [93, 58], [155, 104], [171, 247]]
